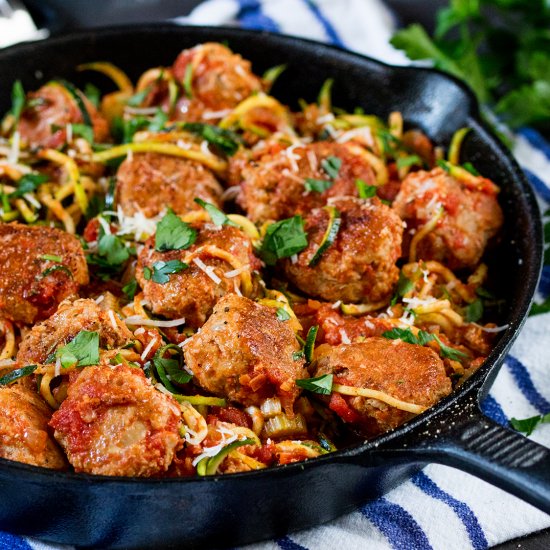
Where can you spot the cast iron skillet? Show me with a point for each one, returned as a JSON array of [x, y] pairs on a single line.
[[241, 508]]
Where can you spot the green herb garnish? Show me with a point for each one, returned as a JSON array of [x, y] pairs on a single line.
[[331, 165], [282, 314], [218, 217], [225, 140], [283, 239], [82, 351], [130, 289], [321, 384], [160, 270], [319, 186], [365, 191], [474, 311], [28, 184], [404, 286], [528, 425], [173, 233], [17, 100]]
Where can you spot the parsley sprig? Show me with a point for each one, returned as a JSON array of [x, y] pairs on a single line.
[[159, 272], [283, 239], [173, 233]]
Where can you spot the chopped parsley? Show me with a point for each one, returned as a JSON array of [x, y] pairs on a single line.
[[159, 271], [421, 339], [474, 311], [28, 184], [82, 351], [404, 286], [319, 186], [137, 99], [410, 160], [124, 130], [170, 369], [225, 140], [283, 239], [93, 94], [111, 255], [86, 132], [365, 191], [218, 217], [331, 165], [173, 233], [528, 425], [130, 289], [321, 384]]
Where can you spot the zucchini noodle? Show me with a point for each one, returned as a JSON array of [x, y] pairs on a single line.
[[8, 350], [426, 229]]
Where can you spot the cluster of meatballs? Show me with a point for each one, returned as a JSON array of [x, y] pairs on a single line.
[[111, 418]]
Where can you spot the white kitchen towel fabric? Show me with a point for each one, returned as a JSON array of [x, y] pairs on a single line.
[[439, 508]]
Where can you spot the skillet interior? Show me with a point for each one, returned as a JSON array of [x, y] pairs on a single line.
[[241, 508]]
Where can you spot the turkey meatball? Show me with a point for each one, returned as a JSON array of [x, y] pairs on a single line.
[[149, 183], [245, 353], [407, 372], [279, 183], [24, 434], [359, 266], [113, 422], [32, 280], [50, 109], [218, 80], [471, 217], [72, 317], [193, 291]]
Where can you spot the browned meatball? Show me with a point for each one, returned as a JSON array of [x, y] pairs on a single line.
[[65, 324], [360, 265], [219, 80], [44, 124], [243, 352], [24, 434], [273, 186], [407, 372], [192, 293], [470, 217], [32, 287], [113, 422], [150, 183]]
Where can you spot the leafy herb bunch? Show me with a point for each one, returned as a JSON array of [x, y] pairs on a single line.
[[501, 48]]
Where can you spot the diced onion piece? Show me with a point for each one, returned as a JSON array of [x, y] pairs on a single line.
[[283, 426], [271, 407], [380, 396]]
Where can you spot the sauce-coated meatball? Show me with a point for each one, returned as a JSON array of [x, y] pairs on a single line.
[[219, 80], [44, 124], [24, 434], [31, 286], [245, 353], [150, 183], [274, 186], [65, 324], [407, 372], [471, 217], [113, 422], [360, 264], [192, 293]]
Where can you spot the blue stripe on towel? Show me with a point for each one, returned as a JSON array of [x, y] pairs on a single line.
[[491, 408], [397, 525], [525, 384], [538, 185], [461, 509], [288, 544], [536, 140], [13, 542], [250, 16], [544, 283], [330, 31]]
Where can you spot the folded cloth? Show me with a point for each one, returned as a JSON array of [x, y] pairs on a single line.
[[439, 508]]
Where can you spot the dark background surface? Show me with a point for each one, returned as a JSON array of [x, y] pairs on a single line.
[[64, 15]]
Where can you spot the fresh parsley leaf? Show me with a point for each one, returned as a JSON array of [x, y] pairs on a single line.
[[170, 369], [365, 191], [28, 184], [321, 384], [93, 94], [82, 351], [173, 233], [410, 160], [283, 239], [113, 250], [225, 140], [160, 270], [319, 186], [423, 337], [17, 100], [404, 286], [528, 425], [474, 311], [130, 289], [137, 99], [218, 217], [470, 168], [282, 314], [87, 132], [331, 165]]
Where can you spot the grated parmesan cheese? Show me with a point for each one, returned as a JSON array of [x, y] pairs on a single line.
[[138, 320], [111, 315], [208, 269], [148, 348], [235, 272], [344, 336]]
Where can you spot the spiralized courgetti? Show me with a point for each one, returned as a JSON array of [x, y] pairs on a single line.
[[197, 280]]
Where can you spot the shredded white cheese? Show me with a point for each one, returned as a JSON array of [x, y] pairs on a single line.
[[111, 315], [138, 320], [344, 336], [416, 302], [57, 370], [148, 349], [235, 272], [99, 299], [32, 200], [325, 118], [208, 269], [209, 115], [13, 156], [492, 329], [231, 193], [336, 305]]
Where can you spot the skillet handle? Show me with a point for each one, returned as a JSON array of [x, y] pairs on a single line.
[[477, 445]]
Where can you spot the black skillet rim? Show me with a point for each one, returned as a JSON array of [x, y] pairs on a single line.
[[476, 385]]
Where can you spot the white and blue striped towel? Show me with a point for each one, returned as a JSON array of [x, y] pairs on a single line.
[[439, 508]]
